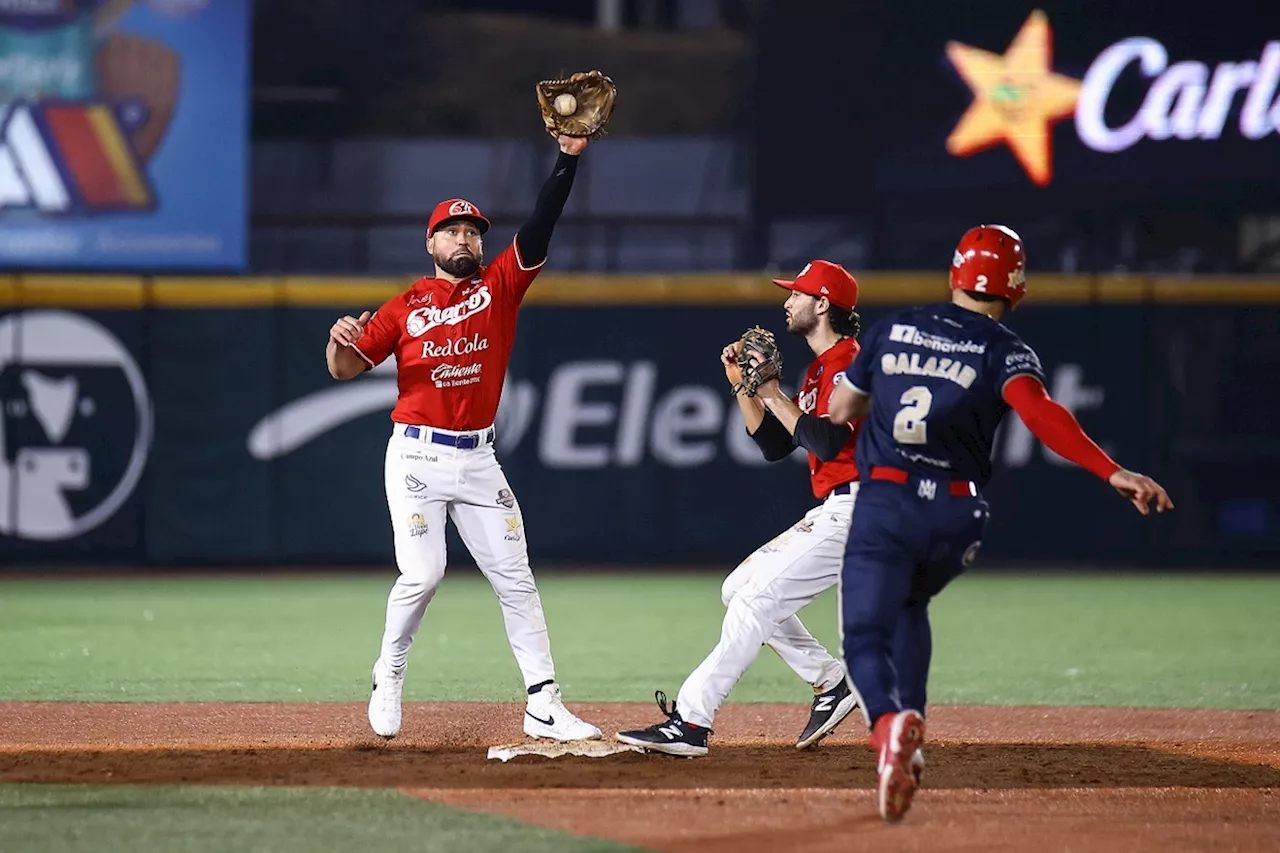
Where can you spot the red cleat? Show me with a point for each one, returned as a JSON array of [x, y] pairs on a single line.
[[896, 739]]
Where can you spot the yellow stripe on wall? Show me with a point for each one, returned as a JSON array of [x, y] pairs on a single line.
[[886, 288], [56, 291], [113, 145], [214, 292]]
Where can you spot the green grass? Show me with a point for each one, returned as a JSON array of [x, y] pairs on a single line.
[[1178, 641], [130, 819], [1138, 640]]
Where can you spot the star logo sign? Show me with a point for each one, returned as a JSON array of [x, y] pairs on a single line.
[[1017, 98]]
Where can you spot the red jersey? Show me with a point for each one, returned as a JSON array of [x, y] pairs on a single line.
[[452, 343], [815, 394]]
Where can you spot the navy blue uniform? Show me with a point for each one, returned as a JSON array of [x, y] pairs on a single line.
[[936, 376]]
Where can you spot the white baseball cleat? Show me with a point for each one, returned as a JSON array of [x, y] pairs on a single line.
[[384, 701], [546, 717]]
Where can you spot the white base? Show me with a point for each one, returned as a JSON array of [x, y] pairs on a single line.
[[554, 749]]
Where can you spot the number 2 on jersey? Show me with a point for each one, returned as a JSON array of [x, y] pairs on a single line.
[[908, 425]]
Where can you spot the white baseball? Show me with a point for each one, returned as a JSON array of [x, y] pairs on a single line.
[[565, 104]]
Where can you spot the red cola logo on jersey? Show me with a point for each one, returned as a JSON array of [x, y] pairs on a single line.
[[422, 320], [456, 346]]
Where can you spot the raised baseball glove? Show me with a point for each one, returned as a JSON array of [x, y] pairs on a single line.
[[578, 105], [758, 360]]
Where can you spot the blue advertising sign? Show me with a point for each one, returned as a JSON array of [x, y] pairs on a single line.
[[138, 436], [123, 133]]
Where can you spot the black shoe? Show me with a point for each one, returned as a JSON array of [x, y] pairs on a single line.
[[674, 737], [828, 710]]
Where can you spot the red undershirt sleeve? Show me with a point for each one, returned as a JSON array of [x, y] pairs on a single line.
[[1054, 425]]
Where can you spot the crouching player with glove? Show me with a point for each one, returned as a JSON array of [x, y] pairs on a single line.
[[766, 591]]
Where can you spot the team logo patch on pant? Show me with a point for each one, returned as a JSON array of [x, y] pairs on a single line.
[[505, 498], [513, 529], [417, 525]]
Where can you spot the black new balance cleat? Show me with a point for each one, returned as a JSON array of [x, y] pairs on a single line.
[[674, 737], [829, 709]]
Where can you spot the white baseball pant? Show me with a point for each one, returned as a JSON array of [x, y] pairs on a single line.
[[425, 481], [763, 595]]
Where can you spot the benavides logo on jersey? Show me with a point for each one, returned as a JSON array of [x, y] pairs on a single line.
[[1018, 97], [60, 158]]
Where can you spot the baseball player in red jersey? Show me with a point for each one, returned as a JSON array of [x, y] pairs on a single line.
[[451, 335], [766, 591]]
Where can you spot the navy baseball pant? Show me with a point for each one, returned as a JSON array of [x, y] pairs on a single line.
[[907, 541]]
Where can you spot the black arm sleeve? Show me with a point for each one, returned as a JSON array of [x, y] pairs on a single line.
[[821, 437], [772, 438], [534, 237]]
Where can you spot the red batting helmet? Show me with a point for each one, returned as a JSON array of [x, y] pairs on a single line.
[[989, 259]]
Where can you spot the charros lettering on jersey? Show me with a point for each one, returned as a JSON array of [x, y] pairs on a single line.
[[422, 320]]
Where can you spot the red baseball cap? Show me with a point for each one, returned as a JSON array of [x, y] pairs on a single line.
[[823, 278], [456, 208]]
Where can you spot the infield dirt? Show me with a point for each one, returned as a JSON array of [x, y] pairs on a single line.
[[1043, 778]]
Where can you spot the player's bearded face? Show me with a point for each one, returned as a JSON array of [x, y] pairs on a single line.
[[457, 249], [801, 316]]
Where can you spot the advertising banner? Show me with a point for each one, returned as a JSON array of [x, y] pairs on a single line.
[[123, 134], [1065, 106], [77, 427], [146, 436]]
